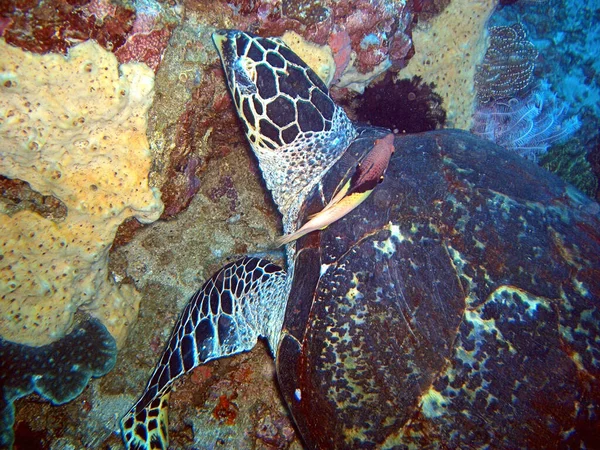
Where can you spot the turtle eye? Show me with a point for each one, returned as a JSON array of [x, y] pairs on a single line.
[[244, 71], [381, 179], [249, 66]]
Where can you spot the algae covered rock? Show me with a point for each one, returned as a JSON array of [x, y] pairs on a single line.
[[58, 371]]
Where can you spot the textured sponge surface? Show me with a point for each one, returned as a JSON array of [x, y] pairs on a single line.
[[74, 128]]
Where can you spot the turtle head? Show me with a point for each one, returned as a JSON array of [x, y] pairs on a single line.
[[295, 129]]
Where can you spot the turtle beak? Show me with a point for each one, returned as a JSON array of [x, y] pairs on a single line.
[[226, 44], [223, 42]]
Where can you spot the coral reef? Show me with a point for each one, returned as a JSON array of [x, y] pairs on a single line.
[[137, 31], [75, 165], [149, 35], [568, 162], [193, 136], [447, 50], [352, 78], [145, 47], [230, 215], [378, 35], [58, 371], [197, 141], [378, 31], [222, 394], [507, 68], [593, 159], [405, 106], [427, 9], [74, 129], [566, 33], [528, 126], [17, 195], [214, 202], [341, 46], [54, 26]]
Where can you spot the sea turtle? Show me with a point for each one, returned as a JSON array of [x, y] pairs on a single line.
[[456, 307]]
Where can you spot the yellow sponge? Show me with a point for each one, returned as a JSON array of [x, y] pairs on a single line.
[[447, 51], [74, 128], [318, 57]]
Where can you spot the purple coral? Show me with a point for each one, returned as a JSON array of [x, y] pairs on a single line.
[[509, 113], [507, 68], [528, 126]]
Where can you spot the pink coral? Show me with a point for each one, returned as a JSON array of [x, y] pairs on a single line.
[[55, 26], [145, 47], [375, 28], [100, 9], [4, 24], [144, 23], [148, 38], [341, 47], [385, 23]]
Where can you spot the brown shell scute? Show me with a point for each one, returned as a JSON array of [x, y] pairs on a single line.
[[373, 364], [509, 359], [460, 304]]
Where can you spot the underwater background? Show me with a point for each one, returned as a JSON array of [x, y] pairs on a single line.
[[153, 187]]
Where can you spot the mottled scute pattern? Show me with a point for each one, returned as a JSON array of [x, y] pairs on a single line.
[[226, 316], [459, 305], [517, 356], [58, 372]]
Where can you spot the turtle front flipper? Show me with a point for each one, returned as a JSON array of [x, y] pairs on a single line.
[[237, 305]]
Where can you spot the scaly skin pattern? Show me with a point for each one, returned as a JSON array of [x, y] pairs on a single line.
[[297, 132], [227, 316], [295, 129]]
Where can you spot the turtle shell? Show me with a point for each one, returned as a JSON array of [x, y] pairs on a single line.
[[457, 307]]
